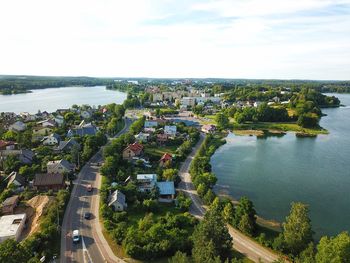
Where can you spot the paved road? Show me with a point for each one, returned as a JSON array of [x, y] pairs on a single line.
[[93, 246], [241, 243]]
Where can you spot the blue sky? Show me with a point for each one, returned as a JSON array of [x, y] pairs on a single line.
[[285, 39]]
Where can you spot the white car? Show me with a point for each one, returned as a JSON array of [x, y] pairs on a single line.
[[76, 236]]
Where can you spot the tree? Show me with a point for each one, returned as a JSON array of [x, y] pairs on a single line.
[[222, 120], [245, 216], [179, 257], [334, 249], [308, 121], [110, 167], [211, 238], [11, 163], [228, 213], [297, 232]]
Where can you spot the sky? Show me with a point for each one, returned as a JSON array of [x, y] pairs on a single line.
[[280, 39]]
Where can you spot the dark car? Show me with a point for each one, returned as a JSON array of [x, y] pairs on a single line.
[[87, 215]]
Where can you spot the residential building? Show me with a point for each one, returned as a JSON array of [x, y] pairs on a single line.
[[52, 139], [208, 128], [162, 138], [7, 145], [25, 156], [61, 166], [146, 182], [170, 130], [151, 124], [142, 137], [8, 206], [157, 97], [117, 201], [132, 150], [40, 133], [15, 179], [165, 159], [44, 182], [188, 101], [18, 126], [59, 120], [11, 226], [47, 123], [166, 191], [66, 146], [83, 129], [85, 114]]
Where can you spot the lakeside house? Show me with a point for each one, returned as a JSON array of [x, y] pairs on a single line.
[[10, 203], [117, 201], [49, 181], [11, 226], [165, 159], [208, 128], [18, 126], [61, 166], [52, 139], [132, 150], [146, 182], [166, 191]]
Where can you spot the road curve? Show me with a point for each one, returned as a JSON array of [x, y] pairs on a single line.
[[243, 244], [93, 246]]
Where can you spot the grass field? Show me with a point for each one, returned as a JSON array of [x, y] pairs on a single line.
[[159, 150]]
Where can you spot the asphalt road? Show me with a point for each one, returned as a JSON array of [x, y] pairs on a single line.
[[241, 243], [92, 246]]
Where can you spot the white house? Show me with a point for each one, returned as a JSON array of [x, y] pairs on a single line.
[[146, 182], [142, 137], [11, 226], [59, 120], [60, 167], [170, 130], [52, 139], [18, 126], [117, 201]]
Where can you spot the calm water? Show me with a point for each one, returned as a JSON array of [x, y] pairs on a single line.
[[58, 98], [273, 172]]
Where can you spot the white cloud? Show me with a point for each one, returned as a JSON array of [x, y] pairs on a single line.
[[222, 38]]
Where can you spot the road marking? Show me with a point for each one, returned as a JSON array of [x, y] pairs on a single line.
[[86, 254]]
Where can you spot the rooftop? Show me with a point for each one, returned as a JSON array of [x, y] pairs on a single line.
[[9, 224], [48, 179], [166, 188]]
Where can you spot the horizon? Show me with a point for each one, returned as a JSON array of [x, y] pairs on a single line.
[[282, 40]]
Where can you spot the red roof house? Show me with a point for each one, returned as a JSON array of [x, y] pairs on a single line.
[[132, 150], [167, 157]]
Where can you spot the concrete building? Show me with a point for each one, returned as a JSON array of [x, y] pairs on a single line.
[[11, 226]]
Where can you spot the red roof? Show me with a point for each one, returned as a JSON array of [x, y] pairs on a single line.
[[166, 157], [135, 147], [6, 143]]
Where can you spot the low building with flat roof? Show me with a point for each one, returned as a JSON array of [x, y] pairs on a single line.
[[11, 226]]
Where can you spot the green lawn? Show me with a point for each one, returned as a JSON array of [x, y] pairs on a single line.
[[159, 150], [282, 126]]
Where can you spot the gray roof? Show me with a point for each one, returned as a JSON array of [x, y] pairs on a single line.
[[17, 177], [117, 196], [10, 201], [166, 188], [63, 144], [48, 179]]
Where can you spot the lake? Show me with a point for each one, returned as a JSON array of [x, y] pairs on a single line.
[[276, 171], [58, 98]]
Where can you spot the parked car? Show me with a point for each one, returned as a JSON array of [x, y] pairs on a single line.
[[87, 215], [76, 236], [89, 187]]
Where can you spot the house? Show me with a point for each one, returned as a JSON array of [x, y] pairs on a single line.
[[82, 130], [66, 146], [9, 204], [59, 120], [142, 137], [208, 128], [26, 156], [47, 123], [188, 101], [166, 158], [7, 145], [149, 130], [132, 150], [61, 166], [166, 191], [85, 114], [146, 182], [162, 138], [52, 139], [40, 133], [11, 226], [45, 182], [151, 124], [15, 179], [170, 130], [157, 97], [117, 201], [18, 126]]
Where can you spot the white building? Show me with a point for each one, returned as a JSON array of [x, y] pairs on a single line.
[[146, 182], [117, 201], [11, 226], [53, 139], [170, 130]]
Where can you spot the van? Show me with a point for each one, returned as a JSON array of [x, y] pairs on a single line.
[[76, 236]]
